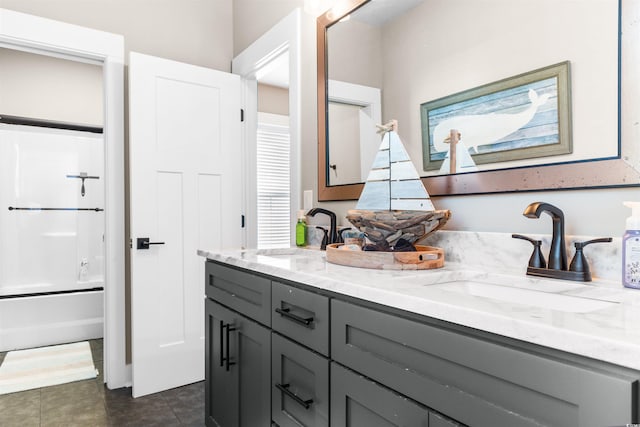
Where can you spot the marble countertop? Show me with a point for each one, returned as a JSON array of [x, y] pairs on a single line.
[[600, 319]]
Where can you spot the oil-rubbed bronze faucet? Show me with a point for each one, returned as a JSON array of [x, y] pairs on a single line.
[[556, 267], [558, 252], [333, 231]]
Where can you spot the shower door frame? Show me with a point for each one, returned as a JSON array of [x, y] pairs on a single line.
[[19, 31]]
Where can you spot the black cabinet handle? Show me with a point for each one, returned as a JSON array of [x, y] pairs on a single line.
[[227, 358], [286, 313], [221, 343], [285, 389]]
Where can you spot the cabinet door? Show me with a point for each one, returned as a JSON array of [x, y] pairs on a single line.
[[357, 401], [300, 380], [237, 374]]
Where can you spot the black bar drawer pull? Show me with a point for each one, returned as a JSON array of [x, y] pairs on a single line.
[[227, 358], [286, 312], [221, 343], [285, 389]]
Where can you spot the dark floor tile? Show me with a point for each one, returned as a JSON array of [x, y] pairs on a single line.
[[85, 389], [152, 410], [80, 413], [187, 403], [185, 394], [100, 386], [77, 403], [20, 409], [97, 348], [90, 403]]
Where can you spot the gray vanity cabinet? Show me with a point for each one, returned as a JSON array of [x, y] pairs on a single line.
[[285, 354], [478, 381], [357, 401], [237, 369], [300, 385]]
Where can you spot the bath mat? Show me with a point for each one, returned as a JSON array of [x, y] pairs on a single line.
[[45, 366]]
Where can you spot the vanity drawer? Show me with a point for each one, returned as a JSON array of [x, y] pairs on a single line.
[[300, 385], [301, 315], [241, 291], [477, 381], [357, 401]]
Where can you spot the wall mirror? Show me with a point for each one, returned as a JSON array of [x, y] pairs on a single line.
[[390, 59]]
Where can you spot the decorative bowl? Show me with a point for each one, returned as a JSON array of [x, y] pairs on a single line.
[[387, 227]]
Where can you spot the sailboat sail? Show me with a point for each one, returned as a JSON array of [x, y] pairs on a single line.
[[393, 182]]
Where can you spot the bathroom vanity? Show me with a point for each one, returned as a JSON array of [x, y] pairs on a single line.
[[293, 340]]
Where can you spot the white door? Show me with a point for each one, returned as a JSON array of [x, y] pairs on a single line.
[[184, 153]]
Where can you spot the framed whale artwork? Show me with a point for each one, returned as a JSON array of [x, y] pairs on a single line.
[[520, 117]]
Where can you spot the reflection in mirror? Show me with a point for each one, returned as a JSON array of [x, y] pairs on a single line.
[[353, 111], [415, 55]]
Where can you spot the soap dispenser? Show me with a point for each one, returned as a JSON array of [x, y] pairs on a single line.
[[301, 229], [631, 248]]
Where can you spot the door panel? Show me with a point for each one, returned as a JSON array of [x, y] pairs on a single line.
[[185, 193]]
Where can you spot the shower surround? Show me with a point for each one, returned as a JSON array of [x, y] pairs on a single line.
[[52, 236]]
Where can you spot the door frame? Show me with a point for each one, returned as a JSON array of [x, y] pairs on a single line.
[[282, 39], [43, 36]]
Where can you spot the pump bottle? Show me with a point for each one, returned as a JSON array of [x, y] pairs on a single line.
[[631, 248], [301, 229]]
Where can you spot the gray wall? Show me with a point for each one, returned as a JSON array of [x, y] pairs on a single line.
[[45, 87], [273, 99], [197, 32], [211, 32]]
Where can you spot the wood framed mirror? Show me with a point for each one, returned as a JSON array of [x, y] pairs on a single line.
[[619, 167]]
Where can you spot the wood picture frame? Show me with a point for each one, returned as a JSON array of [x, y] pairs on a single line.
[[521, 117]]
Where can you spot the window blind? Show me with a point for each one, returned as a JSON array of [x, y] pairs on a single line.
[[273, 186]]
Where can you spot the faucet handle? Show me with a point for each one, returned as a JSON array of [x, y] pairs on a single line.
[[325, 238], [579, 262], [537, 259], [580, 245]]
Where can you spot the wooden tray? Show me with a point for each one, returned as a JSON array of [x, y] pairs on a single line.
[[426, 257]]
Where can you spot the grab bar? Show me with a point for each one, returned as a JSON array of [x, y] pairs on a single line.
[[12, 208]]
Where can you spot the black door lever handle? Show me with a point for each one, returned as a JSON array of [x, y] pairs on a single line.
[[144, 243]]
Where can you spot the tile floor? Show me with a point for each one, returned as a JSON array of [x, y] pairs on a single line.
[[89, 403]]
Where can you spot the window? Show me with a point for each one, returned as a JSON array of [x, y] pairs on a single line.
[[273, 181]]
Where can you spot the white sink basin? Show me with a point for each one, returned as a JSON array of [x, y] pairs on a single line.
[[534, 298]]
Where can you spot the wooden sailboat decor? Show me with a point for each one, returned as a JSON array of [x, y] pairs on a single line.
[[394, 209]]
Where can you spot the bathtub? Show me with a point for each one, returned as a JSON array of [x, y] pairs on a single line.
[[33, 321]]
